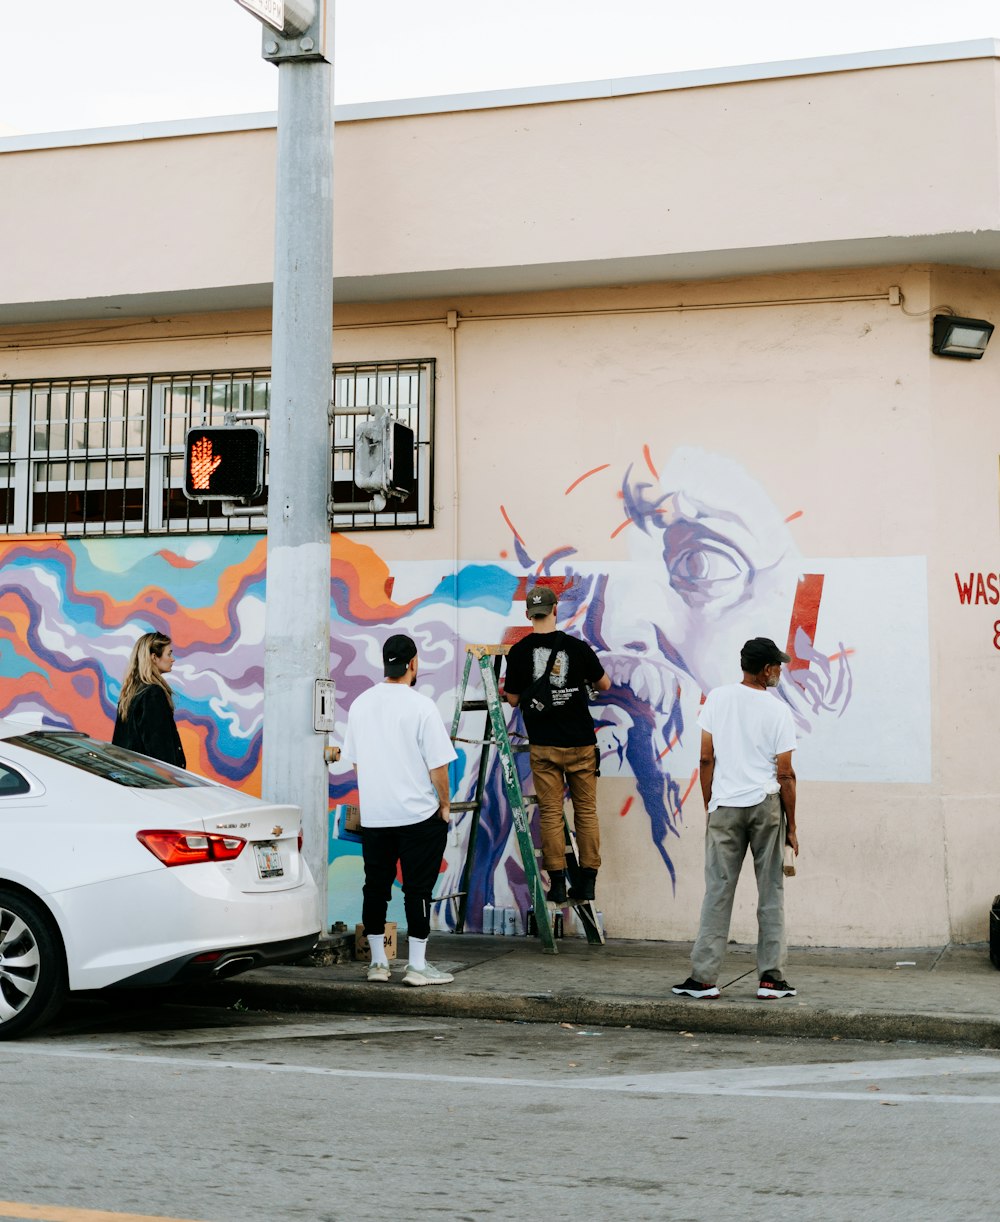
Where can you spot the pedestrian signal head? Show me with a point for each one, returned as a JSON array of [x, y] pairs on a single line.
[[224, 464], [383, 457]]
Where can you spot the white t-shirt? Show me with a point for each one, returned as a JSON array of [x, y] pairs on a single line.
[[394, 737], [749, 729]]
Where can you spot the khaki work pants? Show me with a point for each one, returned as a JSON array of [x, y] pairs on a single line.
[[730, 831], [553, 768]]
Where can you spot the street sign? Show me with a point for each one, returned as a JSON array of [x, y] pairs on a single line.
[[272, 12], [224, 464], [288, 18]]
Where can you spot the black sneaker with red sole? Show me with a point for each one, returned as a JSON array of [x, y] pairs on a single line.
[[695, 988], [773, 987]]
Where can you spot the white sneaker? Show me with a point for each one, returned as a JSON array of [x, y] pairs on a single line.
[[428, 974], [379, 971]]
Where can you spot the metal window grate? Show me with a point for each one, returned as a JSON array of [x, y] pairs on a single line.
[[105, 456]]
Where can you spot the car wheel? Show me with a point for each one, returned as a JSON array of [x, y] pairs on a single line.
[[32, 966]]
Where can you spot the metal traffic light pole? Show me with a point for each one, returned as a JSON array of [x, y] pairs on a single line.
[[297, 608]]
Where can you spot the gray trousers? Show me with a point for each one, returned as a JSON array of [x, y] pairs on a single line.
[[730, 831]]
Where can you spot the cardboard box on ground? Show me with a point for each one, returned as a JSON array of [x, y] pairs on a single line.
[[362, 951]]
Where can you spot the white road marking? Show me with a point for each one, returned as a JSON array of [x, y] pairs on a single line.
[[357, 1029], [764, 1082], [739, 1081]]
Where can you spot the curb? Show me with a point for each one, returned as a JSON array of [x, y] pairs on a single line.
[[775, 1018]]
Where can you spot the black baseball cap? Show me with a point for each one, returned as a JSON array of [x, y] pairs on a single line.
[[760, 652], [540, 601], [396, 655]]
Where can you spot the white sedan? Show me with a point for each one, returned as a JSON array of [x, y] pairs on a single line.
[[119, 870]]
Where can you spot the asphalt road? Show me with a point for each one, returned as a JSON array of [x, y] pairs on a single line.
[[220, 1116]]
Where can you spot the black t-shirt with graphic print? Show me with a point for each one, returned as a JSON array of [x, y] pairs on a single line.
[[568, 723]]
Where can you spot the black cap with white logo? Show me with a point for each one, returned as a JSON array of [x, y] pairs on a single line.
[[396, 654]]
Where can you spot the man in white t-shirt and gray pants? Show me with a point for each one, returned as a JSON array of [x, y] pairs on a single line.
[[401, 752], [748, 783]]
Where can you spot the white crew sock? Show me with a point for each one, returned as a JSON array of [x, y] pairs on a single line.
[[418, 953], [377, 943]]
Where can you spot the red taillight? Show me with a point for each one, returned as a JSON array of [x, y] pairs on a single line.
[[189, 848], [300, 839]]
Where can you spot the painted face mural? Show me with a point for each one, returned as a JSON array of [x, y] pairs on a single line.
[[711, 561]]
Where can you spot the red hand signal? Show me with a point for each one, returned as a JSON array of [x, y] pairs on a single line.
[[203, 463]]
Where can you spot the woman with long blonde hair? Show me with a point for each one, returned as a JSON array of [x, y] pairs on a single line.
[[145, 721]]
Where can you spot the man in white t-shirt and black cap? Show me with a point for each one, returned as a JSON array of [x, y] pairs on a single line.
[[748, 783], [401, 751]]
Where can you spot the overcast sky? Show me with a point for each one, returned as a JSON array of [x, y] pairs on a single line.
[[71, 64]]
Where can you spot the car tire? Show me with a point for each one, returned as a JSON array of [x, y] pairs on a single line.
[[33, 983]]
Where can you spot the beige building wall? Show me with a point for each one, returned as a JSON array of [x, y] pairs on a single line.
[[965, 533], [824, 169]]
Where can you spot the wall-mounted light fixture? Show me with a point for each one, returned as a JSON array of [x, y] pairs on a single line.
[[965, 338]]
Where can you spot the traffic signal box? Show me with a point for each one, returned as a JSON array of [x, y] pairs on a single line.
[[224, 464], [383, 457]]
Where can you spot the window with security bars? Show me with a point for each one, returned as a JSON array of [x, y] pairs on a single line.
[[105, 456]]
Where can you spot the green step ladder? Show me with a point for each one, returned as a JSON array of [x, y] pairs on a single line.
[[489, 660]]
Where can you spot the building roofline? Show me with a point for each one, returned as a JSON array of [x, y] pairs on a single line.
[[162, 130], [533, 95]]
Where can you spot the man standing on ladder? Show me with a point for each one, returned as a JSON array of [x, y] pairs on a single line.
[[548, 674], [401, 752]]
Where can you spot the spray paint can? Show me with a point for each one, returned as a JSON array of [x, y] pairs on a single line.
[[530, 923], [600, 922], [489, 916], [557, 924], [511, 922]]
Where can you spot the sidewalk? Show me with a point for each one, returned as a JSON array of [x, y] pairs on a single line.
[[936, 994]]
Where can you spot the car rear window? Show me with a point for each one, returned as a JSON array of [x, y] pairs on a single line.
[[103, 760]]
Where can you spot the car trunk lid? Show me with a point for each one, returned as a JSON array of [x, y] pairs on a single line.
[[272, 860]]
